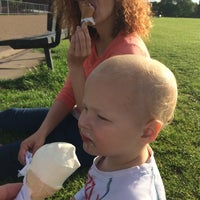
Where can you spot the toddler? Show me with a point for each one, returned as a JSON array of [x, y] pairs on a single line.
[[127, 101]]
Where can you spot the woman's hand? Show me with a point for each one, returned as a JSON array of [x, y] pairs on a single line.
[[32, 144], [9, 191], [56, 114], [80, 47]]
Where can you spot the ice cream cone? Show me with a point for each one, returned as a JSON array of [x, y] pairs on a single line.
[[38, 189], [54, 163], [51, 165], [87, 11]]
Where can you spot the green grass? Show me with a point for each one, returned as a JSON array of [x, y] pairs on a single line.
[[176, 43]]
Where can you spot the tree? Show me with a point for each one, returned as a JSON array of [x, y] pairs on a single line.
[[185, 8], [0, 7], [168, 8], [198, 10], [176, 8]]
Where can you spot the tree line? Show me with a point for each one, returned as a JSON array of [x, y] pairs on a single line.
[[166, 8], [176, 8]]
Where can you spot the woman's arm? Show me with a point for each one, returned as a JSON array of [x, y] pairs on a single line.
[[55, 115], [80, 48], [9, 191], [78, 82]]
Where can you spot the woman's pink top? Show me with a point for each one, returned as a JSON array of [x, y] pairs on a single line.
[[129, 44]]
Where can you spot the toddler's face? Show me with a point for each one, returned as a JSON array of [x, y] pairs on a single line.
[[107, 124]]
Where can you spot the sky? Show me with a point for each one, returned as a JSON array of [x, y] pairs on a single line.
[[195, 1]]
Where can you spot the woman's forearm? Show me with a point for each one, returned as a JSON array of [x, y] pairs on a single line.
[[78, 83], [56, 114], [80, 49]]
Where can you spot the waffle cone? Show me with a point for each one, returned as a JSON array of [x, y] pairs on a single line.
[[87, 11], [38, 189]]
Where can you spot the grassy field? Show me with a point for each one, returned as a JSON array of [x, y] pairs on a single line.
[[176, 43]]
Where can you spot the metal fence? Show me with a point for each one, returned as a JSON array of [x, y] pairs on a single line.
[[15, 7]]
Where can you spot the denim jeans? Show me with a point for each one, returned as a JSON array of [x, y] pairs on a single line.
[[28, 120]]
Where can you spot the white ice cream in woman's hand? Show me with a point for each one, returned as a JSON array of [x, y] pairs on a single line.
[[54, 162], [51, 165]]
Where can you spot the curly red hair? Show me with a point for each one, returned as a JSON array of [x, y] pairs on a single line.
[[130, 16]]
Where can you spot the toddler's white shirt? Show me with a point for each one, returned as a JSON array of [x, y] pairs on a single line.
[[136, 183]]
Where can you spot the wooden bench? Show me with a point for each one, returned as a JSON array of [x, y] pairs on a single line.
[[49, 40]]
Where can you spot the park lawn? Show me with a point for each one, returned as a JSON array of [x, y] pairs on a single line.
[[176, 43]]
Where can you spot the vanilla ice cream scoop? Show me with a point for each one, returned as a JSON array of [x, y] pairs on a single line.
[[53, 163]]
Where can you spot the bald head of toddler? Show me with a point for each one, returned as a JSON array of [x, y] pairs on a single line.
[[145, 87]]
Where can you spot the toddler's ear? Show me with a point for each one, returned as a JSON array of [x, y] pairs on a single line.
[[151, 131]]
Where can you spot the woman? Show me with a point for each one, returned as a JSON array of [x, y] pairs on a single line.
[[119, 26]]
